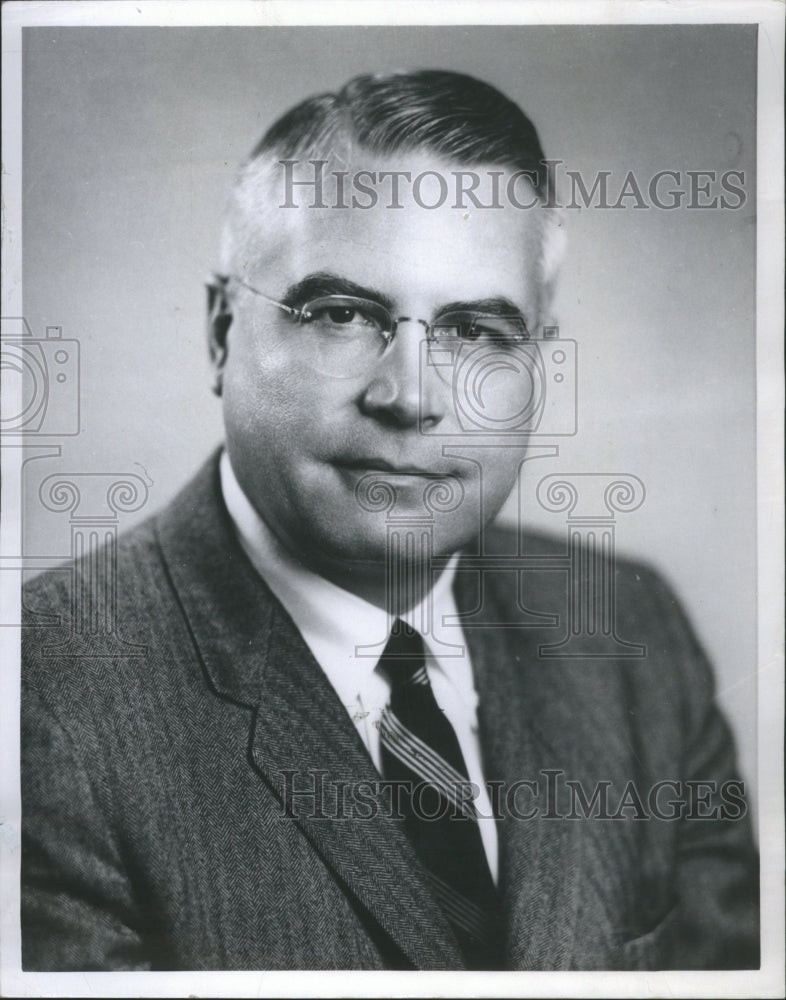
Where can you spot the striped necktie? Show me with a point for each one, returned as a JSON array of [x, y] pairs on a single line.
[[420, 748]]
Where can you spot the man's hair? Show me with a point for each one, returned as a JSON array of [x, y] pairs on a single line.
[[452, 115]]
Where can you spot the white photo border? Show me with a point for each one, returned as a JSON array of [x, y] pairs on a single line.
[[769, 16]]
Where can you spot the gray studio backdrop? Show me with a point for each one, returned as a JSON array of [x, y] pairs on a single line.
[[131, 137]]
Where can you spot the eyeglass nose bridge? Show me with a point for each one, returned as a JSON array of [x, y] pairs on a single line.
[[394, 325]]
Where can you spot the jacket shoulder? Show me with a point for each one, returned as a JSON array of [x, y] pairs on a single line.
[[129, 565], [98, 619], [589, 592], [122, 564]]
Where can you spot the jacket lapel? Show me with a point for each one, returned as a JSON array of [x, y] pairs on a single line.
[[528, 721], [254, 655], [302, 726]]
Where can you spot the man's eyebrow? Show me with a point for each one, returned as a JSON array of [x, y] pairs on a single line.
[[326, 283], [495, 306]]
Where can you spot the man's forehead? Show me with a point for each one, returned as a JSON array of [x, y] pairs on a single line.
[[395, 216]]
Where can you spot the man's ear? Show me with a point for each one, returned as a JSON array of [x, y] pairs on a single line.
[[219, 319]]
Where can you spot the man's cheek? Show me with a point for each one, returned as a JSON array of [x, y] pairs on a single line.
[[275, 392]]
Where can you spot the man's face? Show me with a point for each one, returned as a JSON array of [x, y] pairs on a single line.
[[308, 437]]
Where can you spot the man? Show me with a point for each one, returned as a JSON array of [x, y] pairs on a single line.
[[345, 744]]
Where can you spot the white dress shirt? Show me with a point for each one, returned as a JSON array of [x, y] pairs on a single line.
[[347, 636]]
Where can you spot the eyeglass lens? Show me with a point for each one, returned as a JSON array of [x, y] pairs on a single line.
[[347, 335]]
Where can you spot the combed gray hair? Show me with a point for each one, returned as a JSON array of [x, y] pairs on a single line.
[[455, 116]]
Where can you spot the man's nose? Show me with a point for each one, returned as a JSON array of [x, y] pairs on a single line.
[[400, 389]]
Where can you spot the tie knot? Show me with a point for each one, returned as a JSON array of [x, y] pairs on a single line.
[[403, 658]]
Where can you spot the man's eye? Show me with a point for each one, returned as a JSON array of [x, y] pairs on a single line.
[[490, 329], [342, 314], [454, 329], [496, 329], [346, 316]]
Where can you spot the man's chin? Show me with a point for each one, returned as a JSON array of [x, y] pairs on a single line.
[[373, 543]]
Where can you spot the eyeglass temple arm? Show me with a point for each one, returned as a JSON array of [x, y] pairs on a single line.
[[224, 279]]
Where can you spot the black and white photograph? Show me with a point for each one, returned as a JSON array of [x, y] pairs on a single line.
[[392, 499]]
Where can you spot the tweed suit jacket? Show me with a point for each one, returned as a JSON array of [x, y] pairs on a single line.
[[159, 829]]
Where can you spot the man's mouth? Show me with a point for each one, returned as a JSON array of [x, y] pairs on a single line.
[[383, 466]]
